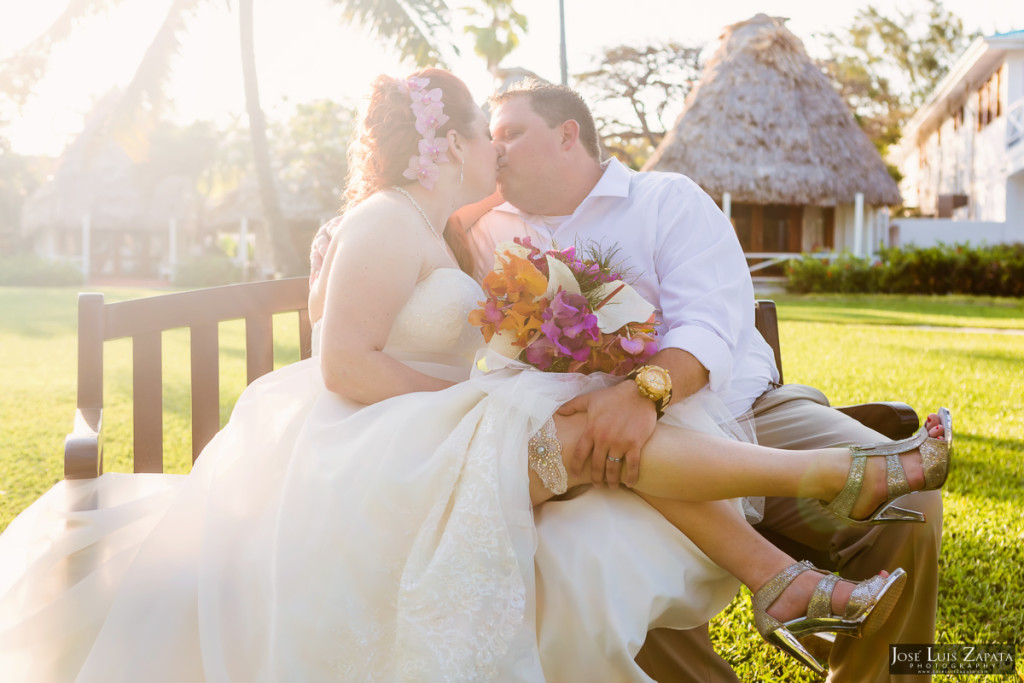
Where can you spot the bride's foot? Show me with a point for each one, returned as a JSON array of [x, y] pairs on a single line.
[[803, 600], [919, 463]]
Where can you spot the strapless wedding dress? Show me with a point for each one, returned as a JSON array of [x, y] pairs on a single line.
[[317, 539]]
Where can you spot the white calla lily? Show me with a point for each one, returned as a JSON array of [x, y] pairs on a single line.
[[503, 342], [560, 276], [625, 306]]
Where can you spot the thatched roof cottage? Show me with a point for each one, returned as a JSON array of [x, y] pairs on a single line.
[[766, 134], [98, 210]]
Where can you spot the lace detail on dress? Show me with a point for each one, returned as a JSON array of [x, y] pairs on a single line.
[[434, 321], [436, 317], [461, 597]]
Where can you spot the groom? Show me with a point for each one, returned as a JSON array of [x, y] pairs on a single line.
[[688, 261]]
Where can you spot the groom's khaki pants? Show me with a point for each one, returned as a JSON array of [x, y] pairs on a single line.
[[798, 417]]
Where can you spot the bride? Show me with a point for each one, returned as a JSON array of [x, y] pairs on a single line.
[[370, 513]]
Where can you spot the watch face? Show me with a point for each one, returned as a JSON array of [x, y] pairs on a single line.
[[655, 380]]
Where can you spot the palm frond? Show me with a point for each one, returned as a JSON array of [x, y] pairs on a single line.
[[416, 27], [146, 90], [20, 72]]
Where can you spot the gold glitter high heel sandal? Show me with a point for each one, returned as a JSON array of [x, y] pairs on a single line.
[[545, 458], [935, 457], [870, 604]]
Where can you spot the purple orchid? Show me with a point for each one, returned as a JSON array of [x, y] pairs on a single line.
[[569, 327], [434, 148], [430, 118], [541, 353], [422, 169], [633, 347]]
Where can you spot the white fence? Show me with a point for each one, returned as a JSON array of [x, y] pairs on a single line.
[[928, 232], [775, 258]]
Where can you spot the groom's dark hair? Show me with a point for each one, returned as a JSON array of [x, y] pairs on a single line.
[[556, 104]]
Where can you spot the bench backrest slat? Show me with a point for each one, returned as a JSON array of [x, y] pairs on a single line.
[[259, 346], [148, 401], [204, 342], [766, 321]]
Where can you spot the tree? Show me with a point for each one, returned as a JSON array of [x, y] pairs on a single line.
[[18, 179], [500, 34], [886, 66], [275, 228], [312, 151], [632, 87]]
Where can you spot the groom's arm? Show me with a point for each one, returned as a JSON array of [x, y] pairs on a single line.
[[623, 420], [707, 302]]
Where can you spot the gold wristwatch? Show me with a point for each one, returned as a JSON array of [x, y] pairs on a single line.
[[653, 382]]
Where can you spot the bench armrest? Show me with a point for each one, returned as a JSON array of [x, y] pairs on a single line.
[[893, 419], [83, 453]]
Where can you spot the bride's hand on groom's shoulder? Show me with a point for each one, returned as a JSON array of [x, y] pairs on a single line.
[[619, 423], [318, 249]]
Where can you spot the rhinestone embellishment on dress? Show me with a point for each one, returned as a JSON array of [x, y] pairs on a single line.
[[545, 457]]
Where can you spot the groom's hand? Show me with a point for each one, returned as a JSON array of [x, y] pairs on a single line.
[[619, 423]]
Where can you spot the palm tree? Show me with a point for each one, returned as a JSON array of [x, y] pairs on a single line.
[[563, 62], [409, 24], [275, 228]]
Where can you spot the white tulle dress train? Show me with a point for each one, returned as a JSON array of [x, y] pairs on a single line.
[[317, 539]]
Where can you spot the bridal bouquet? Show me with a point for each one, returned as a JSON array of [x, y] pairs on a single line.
[[560, 312]]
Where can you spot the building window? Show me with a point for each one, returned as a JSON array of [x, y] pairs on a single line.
[[983, 106], [990, 99], [1002, 88]]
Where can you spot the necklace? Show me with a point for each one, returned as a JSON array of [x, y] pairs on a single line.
[[422, 213]]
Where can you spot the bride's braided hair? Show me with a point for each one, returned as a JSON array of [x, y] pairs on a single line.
[[386, 135]]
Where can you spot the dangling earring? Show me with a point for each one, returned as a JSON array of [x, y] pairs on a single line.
[[461, 169]]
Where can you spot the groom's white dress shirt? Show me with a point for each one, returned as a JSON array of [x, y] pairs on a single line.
[[682, 255]]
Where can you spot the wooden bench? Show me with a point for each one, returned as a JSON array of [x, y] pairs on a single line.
[[894, 419], [144, 320]]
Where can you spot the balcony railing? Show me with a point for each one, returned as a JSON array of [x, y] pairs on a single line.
[[1015, 123], [775, 258]]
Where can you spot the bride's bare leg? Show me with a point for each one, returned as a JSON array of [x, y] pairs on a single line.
[[723, 534], [682, 464]]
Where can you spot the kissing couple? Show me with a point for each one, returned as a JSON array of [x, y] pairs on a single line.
[[389, 509]]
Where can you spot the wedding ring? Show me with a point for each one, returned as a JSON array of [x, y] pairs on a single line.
[[611, 459]]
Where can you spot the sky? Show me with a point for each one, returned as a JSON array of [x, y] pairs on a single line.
[[305, 51]]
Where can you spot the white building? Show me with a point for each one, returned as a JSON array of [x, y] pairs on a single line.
[[962, 153]]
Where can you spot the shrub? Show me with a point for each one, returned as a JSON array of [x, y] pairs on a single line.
[[996, 270], [33, 270], [847, 274], [207, 270]]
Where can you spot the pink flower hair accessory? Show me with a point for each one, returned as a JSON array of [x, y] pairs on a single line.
[[429, 111]]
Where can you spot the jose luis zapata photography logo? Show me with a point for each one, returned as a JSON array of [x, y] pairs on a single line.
[[952, 658]]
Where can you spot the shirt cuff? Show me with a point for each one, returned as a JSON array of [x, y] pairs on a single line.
[[707, 347]]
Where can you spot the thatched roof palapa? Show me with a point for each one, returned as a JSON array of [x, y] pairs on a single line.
[[96, 177], [765, 125]]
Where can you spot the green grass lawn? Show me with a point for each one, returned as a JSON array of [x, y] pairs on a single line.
[[854, 348], [862, 348]]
